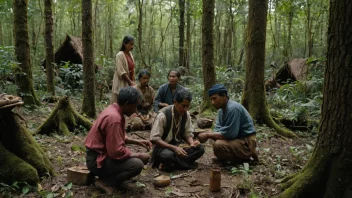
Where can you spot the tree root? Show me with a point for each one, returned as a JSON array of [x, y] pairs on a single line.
[[310, 182], [63, 119], [268, 120], [22, 159]]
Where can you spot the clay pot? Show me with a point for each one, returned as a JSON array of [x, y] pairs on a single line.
[[162, 181], [204, 123]]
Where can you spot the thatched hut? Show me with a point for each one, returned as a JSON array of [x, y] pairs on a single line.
[[70, 50], [295, 69]]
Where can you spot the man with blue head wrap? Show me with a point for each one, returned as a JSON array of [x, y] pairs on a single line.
[[234, 132]]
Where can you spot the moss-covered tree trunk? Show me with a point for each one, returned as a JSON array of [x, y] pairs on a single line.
[[209, 75], [254, 93], [63, 119], [24, 79], [22, 159], [88, 104], [49, 49], [328, 172]]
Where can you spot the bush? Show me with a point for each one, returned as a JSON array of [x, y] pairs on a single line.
[[7, 66]]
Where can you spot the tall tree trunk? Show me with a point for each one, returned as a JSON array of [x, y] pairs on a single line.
[[188, 39], [217, 37], [209, 75], [229, 36], [288, 45], [111, 31], [49, 50], [254, 94], [96, 33], [328, 173], [88, 104], [181, 29], [274, 45], [1, 34], [309, 29], [24, 79], [140, 31], [277, 25]]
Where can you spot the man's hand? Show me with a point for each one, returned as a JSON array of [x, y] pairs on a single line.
[[142, 156], [203, 137], [195, 144], [146, 144], [179, 151]]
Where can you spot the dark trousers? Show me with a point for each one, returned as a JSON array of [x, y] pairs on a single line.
[[168, 157], [113, 172]]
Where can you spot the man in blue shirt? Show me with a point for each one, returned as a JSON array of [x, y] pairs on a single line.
[[234, 131], [165, 95]]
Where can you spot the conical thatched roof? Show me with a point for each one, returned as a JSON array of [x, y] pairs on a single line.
[[70, 50], [296, 69]]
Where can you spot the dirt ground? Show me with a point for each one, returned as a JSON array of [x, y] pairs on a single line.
[[278, 157]]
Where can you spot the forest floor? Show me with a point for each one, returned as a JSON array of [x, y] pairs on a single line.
[[279, 157]]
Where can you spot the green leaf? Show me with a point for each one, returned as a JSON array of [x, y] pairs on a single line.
[[50, 195], [246, 166], [69, 186], [25, 190], [309, 147], [139, 184]]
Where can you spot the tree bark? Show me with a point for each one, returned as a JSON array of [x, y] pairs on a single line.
[[24, 79], [1, 34], [230, 35], [140, 31], [181, 29], [309, 29], [188, 39], [96, 29], [88, 104], [209, 75], [111, 31], [288, 45], [254, 93], [328, 172], [49, 50]]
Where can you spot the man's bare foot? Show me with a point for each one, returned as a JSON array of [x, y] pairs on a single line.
[[104, 187]]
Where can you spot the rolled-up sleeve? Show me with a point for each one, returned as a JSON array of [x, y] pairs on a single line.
[[158, 127], [115, 142], [188, 127]]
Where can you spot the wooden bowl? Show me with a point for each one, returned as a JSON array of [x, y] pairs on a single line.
[[204, 123], [162, 181]]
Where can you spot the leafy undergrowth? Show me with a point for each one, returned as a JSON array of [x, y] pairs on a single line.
[[278, 157]]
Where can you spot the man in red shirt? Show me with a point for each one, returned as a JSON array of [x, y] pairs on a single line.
[[107, 155]]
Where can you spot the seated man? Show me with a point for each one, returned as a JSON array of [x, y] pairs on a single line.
[[234, 131], [165, 95], [171, 126], [107, 155]]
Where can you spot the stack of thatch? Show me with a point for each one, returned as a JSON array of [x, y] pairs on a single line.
[[9, 101]]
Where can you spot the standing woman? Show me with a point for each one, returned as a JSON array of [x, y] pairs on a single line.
[[124, 72]]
